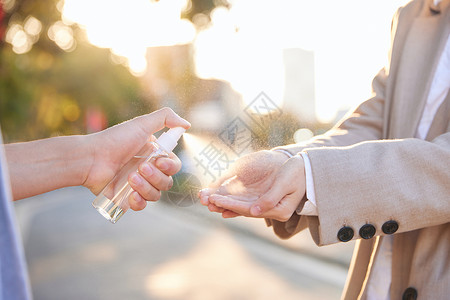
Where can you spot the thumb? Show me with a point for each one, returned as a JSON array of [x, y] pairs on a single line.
[[157, 120], [270, 199], [283, 185]]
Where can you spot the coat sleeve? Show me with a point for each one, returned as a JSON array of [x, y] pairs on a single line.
[[362, 124], [365, 123], [403, 181]]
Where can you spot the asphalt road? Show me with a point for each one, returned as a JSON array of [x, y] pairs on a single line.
[[171, 250]]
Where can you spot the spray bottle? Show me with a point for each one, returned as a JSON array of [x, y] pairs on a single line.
[[112, 202]]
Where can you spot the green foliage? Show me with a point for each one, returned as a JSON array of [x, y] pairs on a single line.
[[48, 91], [43, 94]]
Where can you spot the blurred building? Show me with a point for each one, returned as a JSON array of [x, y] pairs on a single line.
[[171, 81], [299, 91]]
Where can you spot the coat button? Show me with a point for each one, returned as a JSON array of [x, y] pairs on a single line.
[[410, 294], [345, 234], [367, 231], [389, 227]]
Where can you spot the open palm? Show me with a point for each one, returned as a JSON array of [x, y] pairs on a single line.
[[251, 176]]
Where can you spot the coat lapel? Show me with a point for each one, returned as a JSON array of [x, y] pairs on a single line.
[[421, 52]]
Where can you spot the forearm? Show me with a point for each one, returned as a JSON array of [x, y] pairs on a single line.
[[45, 165]]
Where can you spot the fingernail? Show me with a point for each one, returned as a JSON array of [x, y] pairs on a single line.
[[255, 210], [136, 179], [146, 169]]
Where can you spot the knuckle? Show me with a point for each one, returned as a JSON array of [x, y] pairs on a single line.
[[136, 203], [267, 204], [155, 196], [152, 194], [269, 201], [167, 110], [158, 182]]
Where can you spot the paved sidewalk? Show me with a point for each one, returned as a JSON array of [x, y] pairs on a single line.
[[168, 252]]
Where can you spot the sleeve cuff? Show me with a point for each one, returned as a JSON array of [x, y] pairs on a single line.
[[310, 206], [287, 153]]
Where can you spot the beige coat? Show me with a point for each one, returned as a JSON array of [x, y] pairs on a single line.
[[370, 170]]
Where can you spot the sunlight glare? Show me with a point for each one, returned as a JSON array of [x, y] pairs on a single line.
[[350, 40], [62, 35], [32, 26], [18, 38], [213, 277], [128, 28]]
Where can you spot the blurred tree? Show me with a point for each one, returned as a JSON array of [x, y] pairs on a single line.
[[49, 82]]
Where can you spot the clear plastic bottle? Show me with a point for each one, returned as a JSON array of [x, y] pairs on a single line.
[[112, 202]]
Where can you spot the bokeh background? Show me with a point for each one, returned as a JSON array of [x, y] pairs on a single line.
[[247, 74]]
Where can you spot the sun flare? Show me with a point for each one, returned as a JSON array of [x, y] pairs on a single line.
[[245, 44]]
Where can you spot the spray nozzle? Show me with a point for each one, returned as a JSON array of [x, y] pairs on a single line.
[[169, 139]]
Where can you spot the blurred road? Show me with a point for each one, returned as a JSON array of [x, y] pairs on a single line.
[[168, 252]]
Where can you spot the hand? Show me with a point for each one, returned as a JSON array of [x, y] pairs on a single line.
[[250, 177], [115, 146], [279, 202]]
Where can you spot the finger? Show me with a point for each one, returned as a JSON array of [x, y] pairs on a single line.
[[214, 208], [157, 120], [233, 207], [155, 177], [218, 187], [268, 201], [227, 214], [228, 203], [203, 195], [285, 208], [136, 202], [145, 189], [169, 165]]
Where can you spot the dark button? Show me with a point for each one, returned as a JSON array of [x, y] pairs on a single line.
[[390, 227], [410, 294], [367, 231], [345, 234]]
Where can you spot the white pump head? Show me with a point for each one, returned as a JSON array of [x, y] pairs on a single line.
[[169, 139]]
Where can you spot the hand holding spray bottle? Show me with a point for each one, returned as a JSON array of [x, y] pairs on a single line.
[[112, 202]]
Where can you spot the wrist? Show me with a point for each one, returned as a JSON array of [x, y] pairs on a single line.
[[73, 155], [86, 145]]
